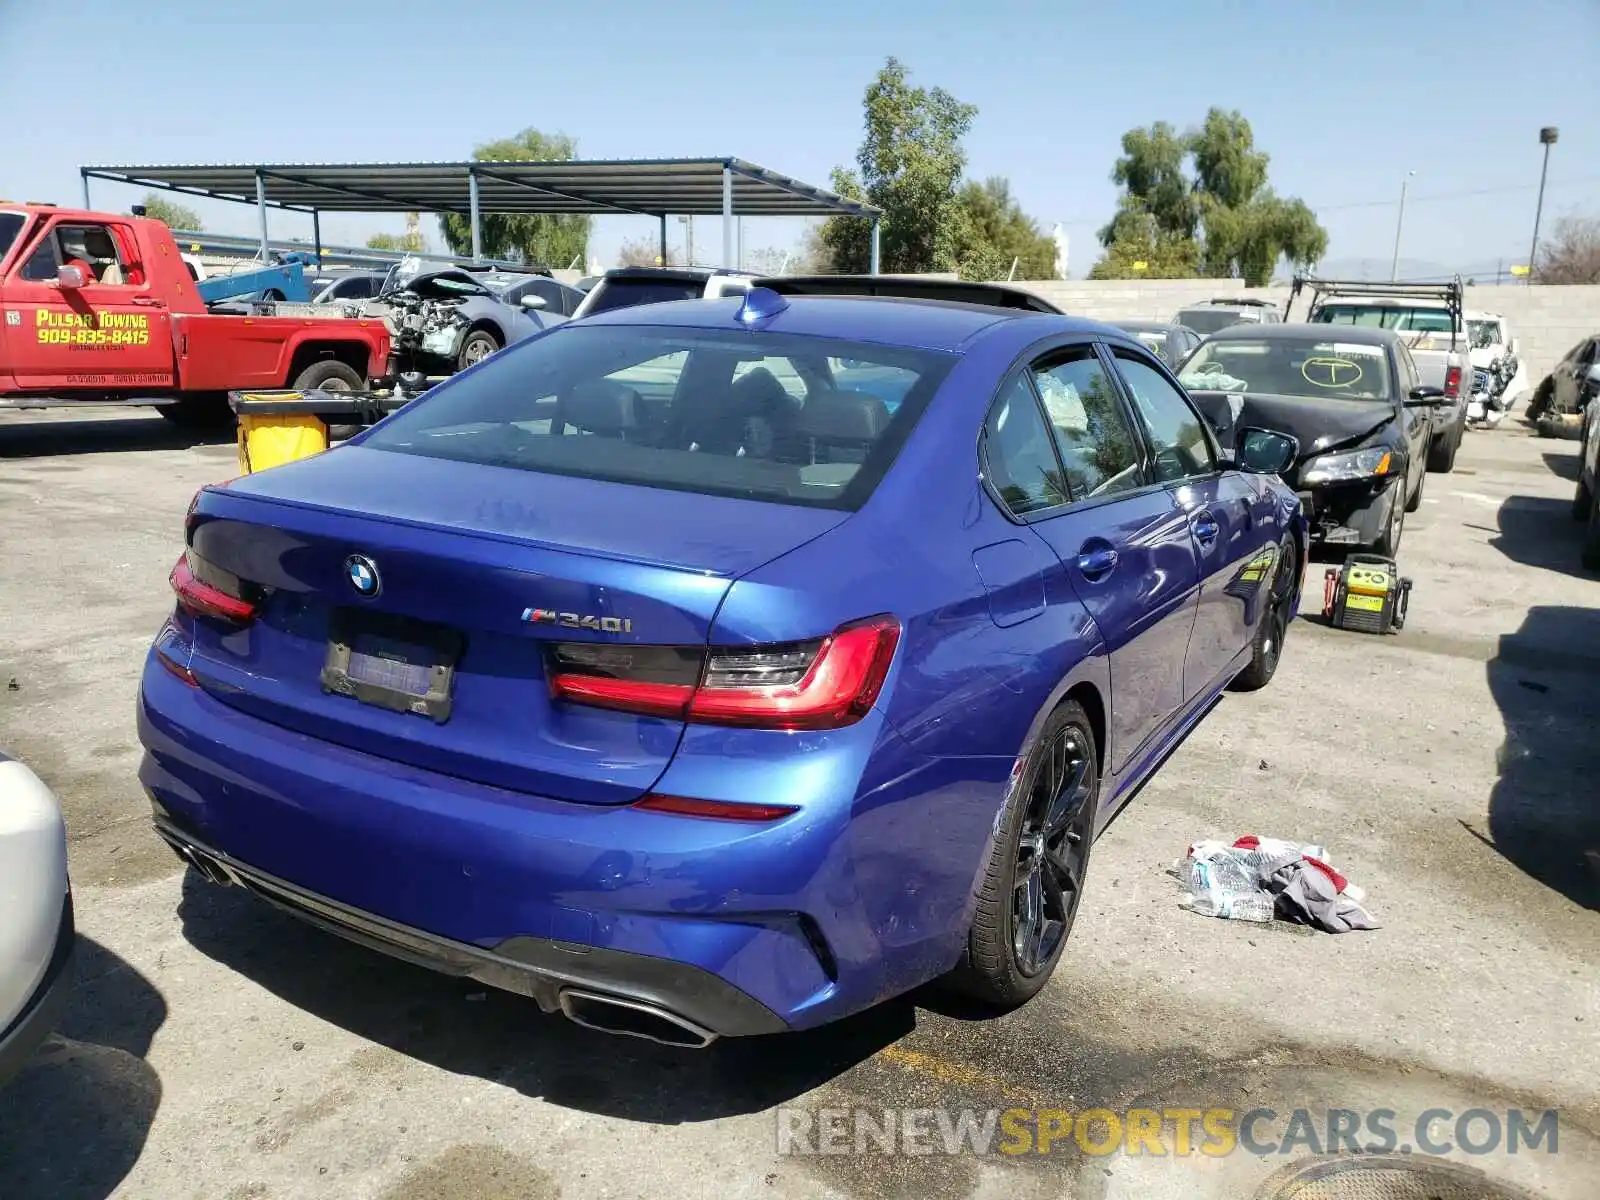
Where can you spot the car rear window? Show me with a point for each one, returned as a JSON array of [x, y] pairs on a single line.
[[764, 416], [1209, 320], [1404, 317], [623, 293]]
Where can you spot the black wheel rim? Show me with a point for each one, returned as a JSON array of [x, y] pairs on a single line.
[[1052, 850]]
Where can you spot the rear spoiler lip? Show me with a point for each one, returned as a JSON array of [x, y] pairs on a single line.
[[909, 287]]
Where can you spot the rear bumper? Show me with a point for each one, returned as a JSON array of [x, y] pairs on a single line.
[[545, 970], [42, 1011], [745, 929]]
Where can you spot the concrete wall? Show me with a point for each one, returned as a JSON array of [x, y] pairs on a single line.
[[1547, 321]]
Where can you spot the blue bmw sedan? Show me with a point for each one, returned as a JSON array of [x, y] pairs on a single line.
[[721, 667]]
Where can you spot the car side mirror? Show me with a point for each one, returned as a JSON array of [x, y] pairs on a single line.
[[70, 279], [1266, 451], [1426, 396], [533, 302]]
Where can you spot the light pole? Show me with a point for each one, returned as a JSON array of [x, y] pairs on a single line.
[[1394, 264], [1547, 138]]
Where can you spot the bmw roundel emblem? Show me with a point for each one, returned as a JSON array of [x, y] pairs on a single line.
[[362, 573]]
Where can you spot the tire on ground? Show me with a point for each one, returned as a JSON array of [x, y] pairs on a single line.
[[1266, 648], [988, 970]]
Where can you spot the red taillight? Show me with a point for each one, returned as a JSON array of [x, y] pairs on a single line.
[[837, 688], [1452, 382], [811, 685], [203, 600], [717, 810]]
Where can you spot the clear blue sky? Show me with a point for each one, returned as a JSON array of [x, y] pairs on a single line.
[[1346, 97]]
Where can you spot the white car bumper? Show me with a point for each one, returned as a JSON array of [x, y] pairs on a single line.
[[36, 931]]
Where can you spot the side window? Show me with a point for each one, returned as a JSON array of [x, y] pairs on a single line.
[[1182, 449], [97, 246], [1017, 454], [44, 264], [1091, 432], [1410, 381]]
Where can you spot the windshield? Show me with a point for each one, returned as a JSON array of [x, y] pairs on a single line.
[[10, 225], [1406, 317], [1484, 334], [1209, 320], [763, 416], [1305, 369], [622, 293]]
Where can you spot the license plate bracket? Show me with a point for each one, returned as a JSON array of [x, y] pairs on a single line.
[[392, 662]]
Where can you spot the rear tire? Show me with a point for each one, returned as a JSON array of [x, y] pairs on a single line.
[[1442, 454], [1033, 884], [1582, 502], [1276, 617]]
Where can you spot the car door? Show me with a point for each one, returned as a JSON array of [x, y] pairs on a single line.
[[113, 331], [1062, 452], [1417, 423], [1229, 518]]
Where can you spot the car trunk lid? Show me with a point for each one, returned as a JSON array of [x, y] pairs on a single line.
[[476, 572]]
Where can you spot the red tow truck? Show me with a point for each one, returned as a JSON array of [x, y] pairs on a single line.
[[98, 308]]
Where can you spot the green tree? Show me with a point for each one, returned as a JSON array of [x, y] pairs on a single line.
[[909, 165], [1143, 250], [993, 233], [408, 242], [548, 240], [1150, 172], [1225, 221], [173, 216], [1247, 226]]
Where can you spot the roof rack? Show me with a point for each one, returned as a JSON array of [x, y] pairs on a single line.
[[1451, 292], [909, 287], [1230, 301]]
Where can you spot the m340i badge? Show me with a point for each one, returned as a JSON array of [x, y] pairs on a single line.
[[570, 620]]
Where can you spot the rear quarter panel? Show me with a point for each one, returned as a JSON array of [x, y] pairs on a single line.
[[982, 660], [217, 353]]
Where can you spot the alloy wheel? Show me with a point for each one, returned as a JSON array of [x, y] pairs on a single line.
[[1052, 851]]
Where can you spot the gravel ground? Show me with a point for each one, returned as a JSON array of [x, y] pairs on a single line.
[[216, 1049]]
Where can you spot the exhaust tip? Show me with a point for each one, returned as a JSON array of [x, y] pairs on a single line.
[[633, 1018], [214, 872]]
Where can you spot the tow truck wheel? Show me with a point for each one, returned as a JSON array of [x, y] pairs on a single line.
[[329, 375]]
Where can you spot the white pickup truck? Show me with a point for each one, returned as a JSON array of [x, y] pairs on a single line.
[[1431, 319]]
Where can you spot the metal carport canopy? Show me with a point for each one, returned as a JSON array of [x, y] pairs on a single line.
[[725, 187]]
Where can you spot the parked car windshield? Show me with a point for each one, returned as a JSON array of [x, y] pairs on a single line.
[[10, 225], [1484, 334], [1303, 368], [764, 416], [1209, 320]]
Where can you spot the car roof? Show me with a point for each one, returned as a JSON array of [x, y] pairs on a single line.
[[1149, 326], [1320, 331], [923, 324], [677, 274]]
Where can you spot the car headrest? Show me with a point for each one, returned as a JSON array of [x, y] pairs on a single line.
[[843, 416], [601, 406]]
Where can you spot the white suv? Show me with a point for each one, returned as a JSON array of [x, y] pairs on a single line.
[[36, 931], [627, 286]]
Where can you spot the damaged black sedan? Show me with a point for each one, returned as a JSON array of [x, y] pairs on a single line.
[[1354, 401]]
